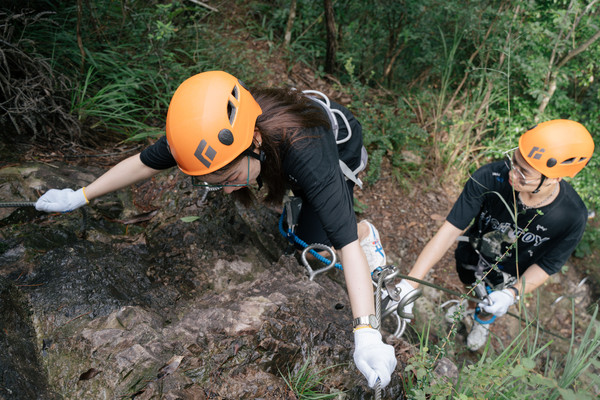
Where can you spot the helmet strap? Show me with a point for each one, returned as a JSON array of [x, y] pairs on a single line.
[[260, 156], [537, 189]]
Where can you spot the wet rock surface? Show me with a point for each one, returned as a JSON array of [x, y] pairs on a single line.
[[126, 300], [20, 365]]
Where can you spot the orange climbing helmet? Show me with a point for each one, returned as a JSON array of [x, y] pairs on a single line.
[[210, 122], [557, 148]]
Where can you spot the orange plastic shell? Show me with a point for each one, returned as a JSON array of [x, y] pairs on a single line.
[[557, 148], [210, 122]]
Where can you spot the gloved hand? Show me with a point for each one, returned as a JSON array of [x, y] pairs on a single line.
[[373, 358], [64, 200], [500, 301]]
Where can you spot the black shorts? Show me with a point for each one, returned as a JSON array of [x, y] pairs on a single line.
[[309, 227]]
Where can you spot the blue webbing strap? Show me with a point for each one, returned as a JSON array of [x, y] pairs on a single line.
[[292, 238]]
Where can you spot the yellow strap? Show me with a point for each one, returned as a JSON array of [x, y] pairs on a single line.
[[84, 196], [361, 327]]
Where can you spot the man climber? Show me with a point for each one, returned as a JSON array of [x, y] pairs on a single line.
[[523, 221]]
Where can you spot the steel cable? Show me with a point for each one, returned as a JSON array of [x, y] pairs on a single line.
[[17, 204]]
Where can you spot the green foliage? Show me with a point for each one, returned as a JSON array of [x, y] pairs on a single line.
[[307, 383], [522, 370], [359, 207], [130, 58], [306, 45], [589, 242], [190, 218], [450, 83], [388, 128], [112, 106]]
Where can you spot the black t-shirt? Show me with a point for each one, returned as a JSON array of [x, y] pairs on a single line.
[[311, 166], [547, 239], [158, 156]]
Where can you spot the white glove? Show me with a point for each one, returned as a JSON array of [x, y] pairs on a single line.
[[373, 358], [64, 200], [500, 301]]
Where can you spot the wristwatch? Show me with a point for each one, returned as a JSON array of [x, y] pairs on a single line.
[[366, 320]]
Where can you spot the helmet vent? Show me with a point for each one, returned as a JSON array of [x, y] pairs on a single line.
[[235, 92], [569, 161], [231, 111]]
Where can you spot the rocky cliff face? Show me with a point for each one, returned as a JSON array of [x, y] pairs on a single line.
[[126, 300]]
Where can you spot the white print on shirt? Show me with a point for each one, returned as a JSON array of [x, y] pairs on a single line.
[[541, 228], [509, 233]]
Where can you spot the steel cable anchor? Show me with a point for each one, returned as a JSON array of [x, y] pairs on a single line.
[[388, 273]]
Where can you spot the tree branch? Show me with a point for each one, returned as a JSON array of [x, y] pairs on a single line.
[[202, 4], [290, 24], [578, 50]]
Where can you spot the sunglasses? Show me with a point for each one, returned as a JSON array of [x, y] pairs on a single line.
[[509, 160], [196, 181]]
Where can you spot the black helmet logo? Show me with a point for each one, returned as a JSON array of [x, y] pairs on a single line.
[[208, 156]]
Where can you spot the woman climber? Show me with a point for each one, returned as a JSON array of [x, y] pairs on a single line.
[[219, 132]]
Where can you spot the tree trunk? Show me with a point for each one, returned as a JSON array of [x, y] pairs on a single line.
[[331, 37], [79, 40], [290, 24]]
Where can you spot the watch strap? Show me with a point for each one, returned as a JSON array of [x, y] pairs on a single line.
[[367, 320], [363, 320]]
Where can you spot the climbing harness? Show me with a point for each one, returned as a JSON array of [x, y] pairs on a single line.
[[484, 285], [322, 100]]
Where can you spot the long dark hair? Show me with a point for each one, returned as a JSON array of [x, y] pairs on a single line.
[[285, 113]]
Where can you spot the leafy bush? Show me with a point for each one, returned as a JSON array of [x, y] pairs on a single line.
[[389, 127], [521, 371]]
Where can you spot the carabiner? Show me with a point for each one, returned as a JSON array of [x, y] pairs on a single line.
[[311, 272]]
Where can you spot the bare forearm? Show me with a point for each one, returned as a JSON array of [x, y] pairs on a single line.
[[358, 280], [125, 173], [434, 251], [533, 278]]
